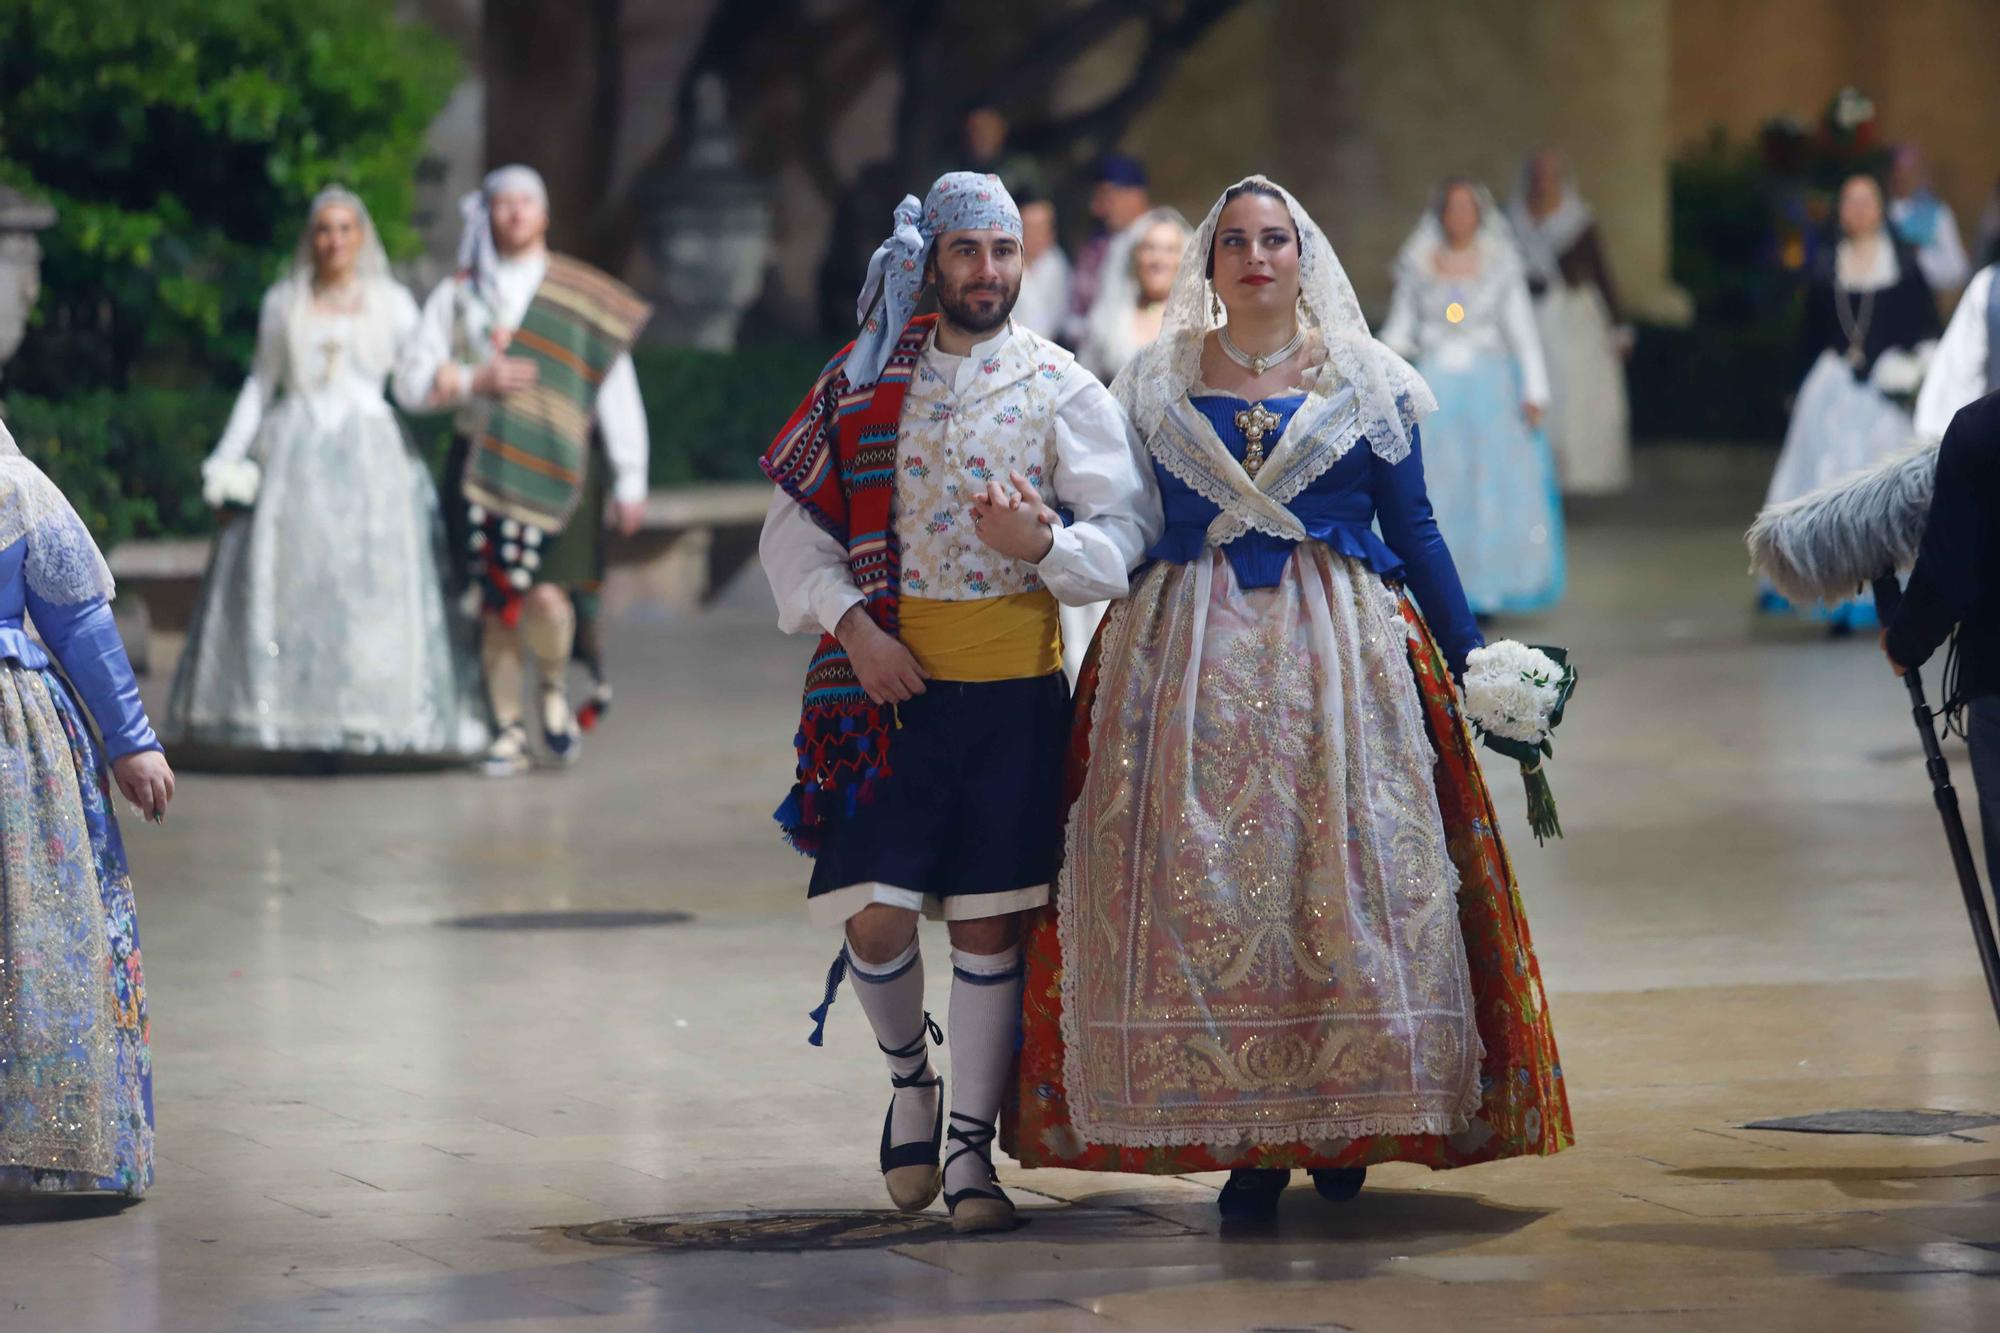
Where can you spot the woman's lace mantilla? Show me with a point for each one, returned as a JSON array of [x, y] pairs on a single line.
[[63, 563], [1390, 395]]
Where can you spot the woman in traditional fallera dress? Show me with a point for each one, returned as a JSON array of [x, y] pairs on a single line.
[[1285, 933], [76, 1077], [1461, 311], [1584, 341], [1870, 321], [325, 623]]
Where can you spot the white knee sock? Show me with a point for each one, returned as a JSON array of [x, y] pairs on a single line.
[[892, 995], [985, 1021]]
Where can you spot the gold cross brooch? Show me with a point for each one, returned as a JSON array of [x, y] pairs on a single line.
[[1255, 422]]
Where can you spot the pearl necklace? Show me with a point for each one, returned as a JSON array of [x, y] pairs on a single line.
[[1257, 365]]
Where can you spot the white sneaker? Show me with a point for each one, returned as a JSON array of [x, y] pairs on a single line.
[[559, 729], [507, 756]]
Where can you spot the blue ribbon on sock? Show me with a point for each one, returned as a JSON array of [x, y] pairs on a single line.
[[834, 976]]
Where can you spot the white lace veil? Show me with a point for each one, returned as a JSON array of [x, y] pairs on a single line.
[[1109, 343], [1391, 396], [63, 564], [1499, 254], [370, 264], [371, 274]]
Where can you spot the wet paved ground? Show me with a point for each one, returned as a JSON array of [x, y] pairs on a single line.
[[372, 1117]]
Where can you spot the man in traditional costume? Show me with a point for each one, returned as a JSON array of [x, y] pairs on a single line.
[[908, 532], [531, 349]]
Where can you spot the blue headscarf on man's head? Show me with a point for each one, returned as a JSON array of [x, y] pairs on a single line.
[[478, 256], [960, 201]]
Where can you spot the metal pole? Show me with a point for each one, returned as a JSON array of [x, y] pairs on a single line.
[[1946, 798]]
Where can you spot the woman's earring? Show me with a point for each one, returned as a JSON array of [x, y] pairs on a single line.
[[1214, 301]]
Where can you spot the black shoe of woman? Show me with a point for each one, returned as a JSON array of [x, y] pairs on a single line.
[[1252, 1194], [1338, 1186]]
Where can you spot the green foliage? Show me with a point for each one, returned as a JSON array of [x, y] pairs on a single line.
[[1739, 233], [713, 413], [1723, 234], [181, 141], [129, 461]]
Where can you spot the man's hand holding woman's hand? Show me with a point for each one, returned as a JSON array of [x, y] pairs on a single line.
[[503, 375], [1015, 521]]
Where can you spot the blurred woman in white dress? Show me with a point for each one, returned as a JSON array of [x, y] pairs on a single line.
[[1583, 338], [1870, 324], [324, 624]]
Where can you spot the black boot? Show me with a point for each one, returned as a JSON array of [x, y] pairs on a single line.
[[1252, 1194], [1339, 1185]]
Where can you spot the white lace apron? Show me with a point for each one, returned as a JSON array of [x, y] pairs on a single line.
[[1257, 912]]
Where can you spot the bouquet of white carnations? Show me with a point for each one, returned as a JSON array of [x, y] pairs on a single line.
[[1514, 696], [231, 484]]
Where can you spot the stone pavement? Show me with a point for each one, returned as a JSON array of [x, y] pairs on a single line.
[[372, 1117]]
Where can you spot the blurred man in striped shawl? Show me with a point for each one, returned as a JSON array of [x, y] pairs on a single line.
[[530, 349]]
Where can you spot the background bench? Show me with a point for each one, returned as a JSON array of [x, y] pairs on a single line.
[[694, 541]]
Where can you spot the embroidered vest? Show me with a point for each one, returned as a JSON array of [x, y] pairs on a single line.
[[952, 443]]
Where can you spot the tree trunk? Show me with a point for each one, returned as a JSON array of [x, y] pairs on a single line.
[[553, 102]]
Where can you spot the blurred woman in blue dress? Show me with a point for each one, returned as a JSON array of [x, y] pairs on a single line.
[[1462, 313], [76, 1077]]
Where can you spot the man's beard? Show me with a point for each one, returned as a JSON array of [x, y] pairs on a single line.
[[958, 308]]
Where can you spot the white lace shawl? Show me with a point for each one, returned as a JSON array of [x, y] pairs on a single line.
[[63, 563], [1390, 396]]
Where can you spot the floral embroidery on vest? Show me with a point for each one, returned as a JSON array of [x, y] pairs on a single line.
[[951, 444]]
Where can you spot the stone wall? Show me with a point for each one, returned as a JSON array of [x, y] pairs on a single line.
[[1360, 108]]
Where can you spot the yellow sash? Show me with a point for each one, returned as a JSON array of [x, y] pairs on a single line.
[[991, 638]]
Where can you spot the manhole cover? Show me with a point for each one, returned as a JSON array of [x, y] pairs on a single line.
[[1914, 1124], [766, 1231], [566, 920]]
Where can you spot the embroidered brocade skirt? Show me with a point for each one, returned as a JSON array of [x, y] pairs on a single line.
[[1248, 964], [76, 1076]]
